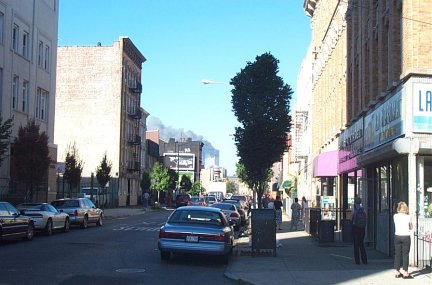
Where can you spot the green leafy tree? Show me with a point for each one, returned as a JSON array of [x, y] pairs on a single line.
[[103, 173], [159, 174], [31, 155], [260, 102], [73, 168], [173, 179], [5, 132], [185, 183], [231, 187], [196, 189]]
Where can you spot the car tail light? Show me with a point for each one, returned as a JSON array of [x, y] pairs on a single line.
[[164, 234], [218, 237]]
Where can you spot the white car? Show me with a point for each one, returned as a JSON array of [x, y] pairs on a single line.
[[46, 217]]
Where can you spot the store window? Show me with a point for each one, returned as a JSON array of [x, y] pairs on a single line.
[[427, 200]]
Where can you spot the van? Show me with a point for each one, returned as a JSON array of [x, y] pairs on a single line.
[[88, 191]]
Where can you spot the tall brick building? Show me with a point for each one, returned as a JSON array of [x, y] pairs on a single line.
[[377, 106], [98, 110]]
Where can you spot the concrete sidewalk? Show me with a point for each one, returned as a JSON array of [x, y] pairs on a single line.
[[302, 260]]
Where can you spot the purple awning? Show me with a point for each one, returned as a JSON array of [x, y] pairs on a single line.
[[326, 164]]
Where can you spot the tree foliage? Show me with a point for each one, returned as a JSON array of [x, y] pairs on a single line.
[[31, 155], [260, 102], [173, 179], [196, 189], [231, 187], [103, 171], [73, 167], [5, 132], [185, 183], [159, 174]]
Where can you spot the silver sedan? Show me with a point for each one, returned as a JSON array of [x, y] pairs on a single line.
[[198, 230], [46, 217]]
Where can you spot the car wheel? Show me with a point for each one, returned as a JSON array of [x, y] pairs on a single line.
[[84, 224], [99, 221], [66, 227], [30, 232], [165, 255], [49, 227]]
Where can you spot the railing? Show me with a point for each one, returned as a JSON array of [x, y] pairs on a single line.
[[134, 139], [135, 113], [423, 236]]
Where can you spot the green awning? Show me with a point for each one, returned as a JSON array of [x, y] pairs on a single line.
[[287, 184]]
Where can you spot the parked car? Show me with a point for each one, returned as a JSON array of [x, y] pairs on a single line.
[[81, 211], [198, 230], [240, 209], [182, 200], [243, 199], [231, 212], [210, 200], [45, 216], [13, 224], [198, 201]]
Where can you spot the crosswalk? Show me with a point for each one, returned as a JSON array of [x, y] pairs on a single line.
[[145, 226]]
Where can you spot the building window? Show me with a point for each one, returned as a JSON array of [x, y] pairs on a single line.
[[15, 86], [41, 104], [1, 26], [25, 44], [46, 57], [24, 102], [15, 37], [40, 53]]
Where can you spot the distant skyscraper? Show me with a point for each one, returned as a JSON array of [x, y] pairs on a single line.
[[210, 156]]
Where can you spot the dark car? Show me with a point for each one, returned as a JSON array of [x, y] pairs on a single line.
[[13, 224], [81, 211], [183, 200], [243, 199], [197, 230]]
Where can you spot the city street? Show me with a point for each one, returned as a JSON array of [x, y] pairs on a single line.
[[122, 251]]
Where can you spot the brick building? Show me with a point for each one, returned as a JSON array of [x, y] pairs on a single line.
[[98, 110]]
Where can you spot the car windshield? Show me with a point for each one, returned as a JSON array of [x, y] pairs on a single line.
[[196, 199], [235, 202], [210, 198], [61, 204], [224, 206], [196, 217]]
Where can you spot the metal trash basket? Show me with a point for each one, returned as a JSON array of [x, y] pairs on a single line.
[[326, 230]]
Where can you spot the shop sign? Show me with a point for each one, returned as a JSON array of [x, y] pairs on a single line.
[[422, 107], [181, 161], [385, 123], [350, 145]]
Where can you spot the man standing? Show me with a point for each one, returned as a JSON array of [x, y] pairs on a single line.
[[295, 214], [359, 221], [146, 197]]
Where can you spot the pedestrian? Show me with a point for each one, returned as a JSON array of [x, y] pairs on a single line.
[[146, 197], [295, 214], [402, 240], [359, 222], [304, 209], [265, 201], [277, 205]]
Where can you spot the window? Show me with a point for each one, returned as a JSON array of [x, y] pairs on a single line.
[[15, 37], [1, 26], [46, 58], [24, 102], [25, 44], [41, 104], [15, 86], [40, 53]]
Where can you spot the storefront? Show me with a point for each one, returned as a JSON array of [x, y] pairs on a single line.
[[386, 157]]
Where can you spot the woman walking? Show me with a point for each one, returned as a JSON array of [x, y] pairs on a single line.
[[402, 240], [278, 208]]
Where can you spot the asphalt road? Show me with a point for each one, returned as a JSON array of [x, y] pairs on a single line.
[[122, 251]]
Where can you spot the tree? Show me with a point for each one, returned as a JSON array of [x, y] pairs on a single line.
[[73, 168], [31, 155], [5, 132], [103, 173], [260, 102], [196, 189], [231, 187], [185, 183], [159, 174]]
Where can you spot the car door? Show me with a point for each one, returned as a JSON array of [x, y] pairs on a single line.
[[17, 224], [91, 210], [57, 217]]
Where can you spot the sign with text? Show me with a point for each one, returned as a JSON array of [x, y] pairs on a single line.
[[422, 107], [181, 161]]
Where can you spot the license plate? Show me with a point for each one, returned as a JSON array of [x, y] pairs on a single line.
[[191, 238]]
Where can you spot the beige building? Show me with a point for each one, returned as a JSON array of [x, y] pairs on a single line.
[[98, 110], [28, 47]]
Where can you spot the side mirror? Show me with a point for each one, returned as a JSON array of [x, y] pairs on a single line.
[[21, 212]]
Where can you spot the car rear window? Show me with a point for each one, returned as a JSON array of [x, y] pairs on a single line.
[[223, 206], [199, 217], [66, 204]]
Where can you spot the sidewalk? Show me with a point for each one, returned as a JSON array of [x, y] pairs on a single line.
[[302, 260], [114, 213]]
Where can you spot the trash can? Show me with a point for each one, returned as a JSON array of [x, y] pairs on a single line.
[[263, 231], [346, 230], [326, 231]]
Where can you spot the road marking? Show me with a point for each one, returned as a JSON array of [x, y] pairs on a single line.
[[137, 228]]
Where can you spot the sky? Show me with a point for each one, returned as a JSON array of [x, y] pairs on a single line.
[[188, 41]]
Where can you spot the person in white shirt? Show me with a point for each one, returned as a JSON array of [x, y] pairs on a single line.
[[402, 240]]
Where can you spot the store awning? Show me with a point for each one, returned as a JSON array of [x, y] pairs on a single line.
[[326, 164], [286, 184]]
